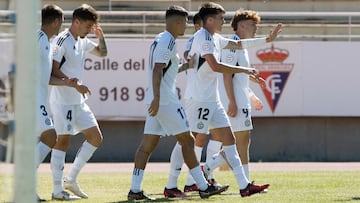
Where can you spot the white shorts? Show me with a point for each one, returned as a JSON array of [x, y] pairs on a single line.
[[170, 120], [204, 116], [44, 118], [242, 121], [72, 119]]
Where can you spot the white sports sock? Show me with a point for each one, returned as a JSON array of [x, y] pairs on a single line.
[[233, 160], [246, 171], [57, 163], [43, 152], [196, 173], [213, 147], [216, 161], [83, 155], [137, 178], [190, 180], [176, 163]]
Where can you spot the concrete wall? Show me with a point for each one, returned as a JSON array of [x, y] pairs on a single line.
[[273, 139]]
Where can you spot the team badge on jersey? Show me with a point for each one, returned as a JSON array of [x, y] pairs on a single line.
[[229, 58], [166, 56], [206, 46], [274, 71], [55, 50]]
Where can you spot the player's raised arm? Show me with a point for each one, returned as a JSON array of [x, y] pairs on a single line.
[[253, 42], [101, 49]]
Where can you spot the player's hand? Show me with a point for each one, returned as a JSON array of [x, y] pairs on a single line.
[[97, 30], [71, 82], [232, 109], [261, 82], [82, 89], [274, 33], [253, 72], [191, 61], [153, 108], [256, 102]]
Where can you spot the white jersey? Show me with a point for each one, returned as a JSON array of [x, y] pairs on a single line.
[[45, 66], [70, 53], [206, 82], [240, 80], [163, 50], [190, 73]]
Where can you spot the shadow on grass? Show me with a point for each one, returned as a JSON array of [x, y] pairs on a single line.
[[348, 200]]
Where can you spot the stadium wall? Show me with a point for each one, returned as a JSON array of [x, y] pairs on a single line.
[[274, 139]]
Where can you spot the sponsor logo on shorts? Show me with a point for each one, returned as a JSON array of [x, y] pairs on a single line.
[[47, 121], [200, 125], [69, 127], [247, 123]]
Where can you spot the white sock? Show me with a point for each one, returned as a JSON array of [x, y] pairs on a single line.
[[83, 155], [57, 163], [176, 163], [246, 171], [233, 160], [213, 147], [137, 178], [43, 152], [216, 161], [196, 173], [190, 180]]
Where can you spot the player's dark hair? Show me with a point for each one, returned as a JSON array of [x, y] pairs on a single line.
[[176, 11], [196, 19], [49, 13], [210, 9], [86, 12], [241, 15]]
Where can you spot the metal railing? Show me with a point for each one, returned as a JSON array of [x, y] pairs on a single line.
[[296, 25]]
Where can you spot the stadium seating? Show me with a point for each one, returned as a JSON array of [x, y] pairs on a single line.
[[302, 19]]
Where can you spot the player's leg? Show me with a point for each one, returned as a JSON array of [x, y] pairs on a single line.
[[85, 123], [146, 147], [222, 130], [64, 127], [48, 135], [213, 147], [205, 190], [242, 145], [57, 162], [46, 143], [241, 125], [200, 140], [152, 133]]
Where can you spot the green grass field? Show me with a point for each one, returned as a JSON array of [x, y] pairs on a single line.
[[305, 186]]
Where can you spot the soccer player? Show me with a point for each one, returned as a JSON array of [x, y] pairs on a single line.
[[51, 21], [200, 139], [235, 93], [165, 113], [207, 110], [70, 112]]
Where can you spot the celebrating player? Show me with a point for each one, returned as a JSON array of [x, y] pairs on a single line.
[[71, 114], [165, 114]]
